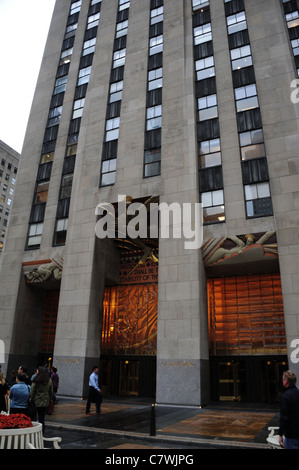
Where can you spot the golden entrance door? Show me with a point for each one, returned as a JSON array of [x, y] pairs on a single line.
[[231, 381], [129, 378]]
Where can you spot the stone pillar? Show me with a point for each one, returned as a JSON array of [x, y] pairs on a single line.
[[275, 72], [182, 348], [79, 322]]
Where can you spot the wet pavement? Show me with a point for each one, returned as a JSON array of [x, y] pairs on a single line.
[[135, 424]]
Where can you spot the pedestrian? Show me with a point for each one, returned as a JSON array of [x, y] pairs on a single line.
[[24, 371], [13, 378], [33, 375], [41, 393], [55, 382], [19, 395], [4, 389], [289, 412], [94, 391]]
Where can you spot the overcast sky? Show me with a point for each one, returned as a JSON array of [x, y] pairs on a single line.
[[24, 26]]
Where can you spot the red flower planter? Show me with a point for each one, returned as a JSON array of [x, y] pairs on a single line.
[[15, 421]]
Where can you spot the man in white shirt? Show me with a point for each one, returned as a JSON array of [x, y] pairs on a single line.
[[94, 392]]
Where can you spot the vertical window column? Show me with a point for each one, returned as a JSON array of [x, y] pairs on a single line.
[[208, 133], [85, 68], [290, 8], [109, 153], [49, 142], [251, 139], [152, 144]]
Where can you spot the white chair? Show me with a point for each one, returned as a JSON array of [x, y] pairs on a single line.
[[273, 439]]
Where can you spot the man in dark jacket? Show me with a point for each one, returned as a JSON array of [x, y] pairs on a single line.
[[289, 412]]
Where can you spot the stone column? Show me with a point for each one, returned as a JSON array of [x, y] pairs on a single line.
[[275, 72], [182, 348]]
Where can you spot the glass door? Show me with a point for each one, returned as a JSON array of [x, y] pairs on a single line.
[[231, 381], [129, 378]]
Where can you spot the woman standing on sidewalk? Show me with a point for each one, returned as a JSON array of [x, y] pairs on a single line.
[[41, 393]]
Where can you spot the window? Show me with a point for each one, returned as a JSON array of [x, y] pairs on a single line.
[[156, 15], [197, 4], [121, 29], [152, 162], [41, 194], [207, 107], [202, 34], [89, 46], [84, 75], [78, 108], [112, 129], [236, 22], [60, 231], [213, 206], [47, 157], [60, 85], [154, 117], [209, 153], [155, 79], [75, 7], [93, 20], [66, 186], [241, 57], [71, 30], [123, 4], [258, 199], [35, 235], [295, 46], [54, 116], [252, 144], [292, 19], [108, 172], [65, 57], [246, 98], [156, 45], [116, 91], [205, 68], [119, 58]]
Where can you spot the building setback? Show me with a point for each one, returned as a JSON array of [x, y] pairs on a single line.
[[167, 102]]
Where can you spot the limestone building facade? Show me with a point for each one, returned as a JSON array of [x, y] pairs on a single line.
[[172, 102]]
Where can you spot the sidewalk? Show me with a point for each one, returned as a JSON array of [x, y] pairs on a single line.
[[133, 420]]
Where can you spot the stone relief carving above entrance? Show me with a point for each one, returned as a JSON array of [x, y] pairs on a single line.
[[45, 272]]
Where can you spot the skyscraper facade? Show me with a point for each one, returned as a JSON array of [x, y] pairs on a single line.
[[142, 104]]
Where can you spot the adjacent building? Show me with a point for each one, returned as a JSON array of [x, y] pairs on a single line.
[[8, 173], [142, 103]]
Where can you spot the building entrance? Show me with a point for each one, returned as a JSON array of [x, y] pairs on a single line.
[[247, 337], [129, 332], [247, 379], [128, 375]]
